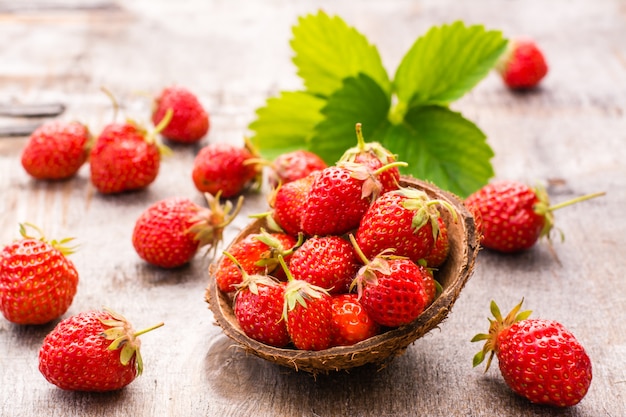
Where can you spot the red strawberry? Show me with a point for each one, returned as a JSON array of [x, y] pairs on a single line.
[[522, 65], [56, 150], [37, 281], [92, 351], [124, 158], [170, 232], [539, 359], [513, 215], [326, 261], [338, 198], [438, 255], [308, 312], [294, 165], [287, 202], [375, 156], [258, 307], [190, 121], [257, 253], [226, 168], [405, 220], [350, 322], [394, 290]]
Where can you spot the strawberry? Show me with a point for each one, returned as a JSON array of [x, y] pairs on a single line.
[[374, 156], [287, 201], [515, 216], [405, 220], [308, 312], [190, 121], [326, 261], [257, 253], [225, 168], [291, 166], [393, 290], [339, 196], [56, 150], [350, 322], [37, 281], [439, 253], [170, 232], [522, 66], [258, 307], [125, 157], [539, 359], [92, 351]]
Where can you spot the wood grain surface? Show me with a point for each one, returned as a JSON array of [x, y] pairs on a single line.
[[570, 133]]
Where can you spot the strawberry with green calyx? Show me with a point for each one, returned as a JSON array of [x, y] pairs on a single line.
[[339, 196], [258, 307], [308, 312], [169, 233], [126, 157], [522, 65], [189, 122], [327, 262], [515, 216], [539, 359], [350, 322], [257, 253], [405, 220], [291, 166], [37, 280], [394, 290], [226, 168], [56, 150], [373, 155], [92, 351]]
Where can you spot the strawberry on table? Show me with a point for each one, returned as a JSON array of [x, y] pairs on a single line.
[[405, 220], [539, 359], [92, 351], [37, 281], [170, 232], [190, 121], [523, 65], [513, 215], [56, 150], [125, 157], [226, 168]]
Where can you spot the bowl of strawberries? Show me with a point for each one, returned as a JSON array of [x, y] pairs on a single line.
[[353, 263]]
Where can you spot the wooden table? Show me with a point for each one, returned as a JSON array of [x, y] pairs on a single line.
[[569, 133]]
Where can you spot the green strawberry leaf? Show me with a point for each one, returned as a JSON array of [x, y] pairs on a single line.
[[359, 100], [442, 147], [447, 62], [327, 50], [285, 123]]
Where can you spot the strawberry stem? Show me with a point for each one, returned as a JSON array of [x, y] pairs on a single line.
[[149, 329], [575, 200]]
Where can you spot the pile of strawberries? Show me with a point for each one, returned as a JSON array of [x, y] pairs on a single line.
[[348, 253]]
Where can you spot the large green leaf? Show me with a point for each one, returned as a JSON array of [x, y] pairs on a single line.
[[359, 100], [442, 147], [286, 122], [327, 50], [446, 63]]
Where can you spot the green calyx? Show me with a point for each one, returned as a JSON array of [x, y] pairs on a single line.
[[544, 209], [298, 291], [426, 210], [250, 282], [375, 148], [125, 338], [209, 223], [60, 245], [269, 259], [496, 326]]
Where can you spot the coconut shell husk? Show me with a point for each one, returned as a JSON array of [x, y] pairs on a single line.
[[452, 276]]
